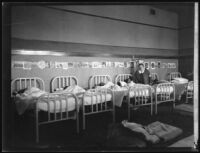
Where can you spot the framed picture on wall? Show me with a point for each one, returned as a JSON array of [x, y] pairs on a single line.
[[103, 64], [70, 65], [159, 64], [152, 65], [174, 65], [27, 65], [121, 64], [65, 65], [169, 65], [96, 65], [127, 64], [18, 64], [146, 65]]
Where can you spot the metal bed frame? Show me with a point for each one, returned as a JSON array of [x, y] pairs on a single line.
[[154, 76], [174, 75], [21, 83], [48, 98], [59, 82], [121, 77], [96, 79], [140, 98], [189, 93], [100, 107], [164, 95]]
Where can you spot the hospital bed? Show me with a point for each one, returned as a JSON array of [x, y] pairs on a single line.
[[164, 92], [173, 75], [58, 106]]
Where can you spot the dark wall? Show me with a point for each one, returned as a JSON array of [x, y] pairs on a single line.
[[186, 41]]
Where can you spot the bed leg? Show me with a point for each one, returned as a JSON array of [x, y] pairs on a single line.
[[83, 121], [77, 123], [113, 116], [156, 109], [37, 125], [128, 109]]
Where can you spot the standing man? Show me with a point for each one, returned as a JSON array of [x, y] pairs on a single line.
[[142, 75]]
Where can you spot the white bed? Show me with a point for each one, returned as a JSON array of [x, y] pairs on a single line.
[[63, 106]]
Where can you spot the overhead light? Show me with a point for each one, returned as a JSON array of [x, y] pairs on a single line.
[[37, 52]]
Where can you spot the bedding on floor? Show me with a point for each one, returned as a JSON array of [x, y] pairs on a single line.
[[154, 132]]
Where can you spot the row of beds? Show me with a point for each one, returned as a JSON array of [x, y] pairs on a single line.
[[59, 106]]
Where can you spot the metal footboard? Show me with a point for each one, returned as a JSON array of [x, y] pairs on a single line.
[[165, 92], [98, 107], [63, 115], [138, 97]]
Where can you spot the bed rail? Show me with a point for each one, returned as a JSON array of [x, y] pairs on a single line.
[[174, 75], [100, 105], [59, 82], [63, 113], [165, 92], [96, 79], [22, 83], [138, 97], [121, 77], [154, 76]]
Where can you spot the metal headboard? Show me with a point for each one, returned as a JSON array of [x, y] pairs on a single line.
[[21, 83], [96, 79], [121, 77], [174, 75], [59, 82], [154, 76]]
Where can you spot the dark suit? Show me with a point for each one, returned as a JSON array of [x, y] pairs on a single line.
[[142, 78]]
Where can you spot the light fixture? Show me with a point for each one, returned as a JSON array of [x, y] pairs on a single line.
[[37, 52]]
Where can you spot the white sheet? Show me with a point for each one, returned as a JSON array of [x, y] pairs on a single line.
[[70, 105], [88, 99]]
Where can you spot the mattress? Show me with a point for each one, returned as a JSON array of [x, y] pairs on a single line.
[[140, 93], [96, 99], [57, 106]]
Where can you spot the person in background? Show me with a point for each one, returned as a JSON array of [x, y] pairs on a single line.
[[142, 75]]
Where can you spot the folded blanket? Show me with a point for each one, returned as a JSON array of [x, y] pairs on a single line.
[[164, 131], [155, 131], [138, 128]]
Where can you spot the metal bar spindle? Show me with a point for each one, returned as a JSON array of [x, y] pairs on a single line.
[[59, 79], [128, 100], [48, 105], [105, 99], [61, 107], [66, 109], [70, 81], [83, 107], [35, 83], [30, 83], [101, 101], [20, 84], [37, 123], [95, 80], [25, 83], [97, 103], [92, 101], [54, 101]]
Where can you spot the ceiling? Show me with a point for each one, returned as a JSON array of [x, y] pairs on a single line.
[[175, 7]]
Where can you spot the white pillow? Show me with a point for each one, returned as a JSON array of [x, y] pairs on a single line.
[[123, 84]]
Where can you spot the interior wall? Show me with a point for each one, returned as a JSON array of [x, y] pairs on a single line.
[[39, 23], [186, 42], [44, 28], [82, 74]]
